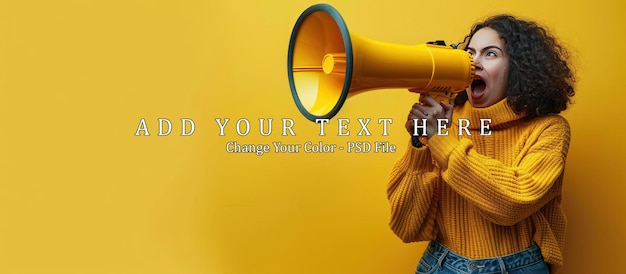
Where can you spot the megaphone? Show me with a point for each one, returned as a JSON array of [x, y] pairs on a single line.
[[327, 64]]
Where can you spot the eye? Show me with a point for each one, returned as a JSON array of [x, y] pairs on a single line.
[[491, 54], [471, 52]]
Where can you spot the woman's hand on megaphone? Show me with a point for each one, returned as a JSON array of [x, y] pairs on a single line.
[[430, 111]]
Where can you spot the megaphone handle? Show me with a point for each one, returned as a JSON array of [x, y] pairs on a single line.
[[446, 97]]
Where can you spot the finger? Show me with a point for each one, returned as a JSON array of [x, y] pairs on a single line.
[[409, 125], [417, 116], [420, 111], [448, 110], [411, 114], [445, 106], [422, 100], [435, 108], [428, 100]]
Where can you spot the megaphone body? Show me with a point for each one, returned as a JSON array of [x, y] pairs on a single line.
[[327, 64]]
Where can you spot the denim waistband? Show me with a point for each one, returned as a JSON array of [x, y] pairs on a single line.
[[502, 264]]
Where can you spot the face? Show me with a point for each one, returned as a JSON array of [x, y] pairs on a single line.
[[492, 66]]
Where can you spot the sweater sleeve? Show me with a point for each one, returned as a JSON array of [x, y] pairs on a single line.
[[506, 194], [412, 195]]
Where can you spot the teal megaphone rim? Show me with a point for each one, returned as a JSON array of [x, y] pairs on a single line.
[[345, 35]]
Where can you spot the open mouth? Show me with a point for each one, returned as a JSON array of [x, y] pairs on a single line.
[[478, 87]]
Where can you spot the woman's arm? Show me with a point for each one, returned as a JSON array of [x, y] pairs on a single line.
[[412, 194], [507, 194]]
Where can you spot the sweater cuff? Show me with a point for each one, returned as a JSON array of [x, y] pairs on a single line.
[[441, 146], [417, 158]]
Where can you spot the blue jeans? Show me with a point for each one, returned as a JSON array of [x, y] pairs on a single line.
[[438, 259]]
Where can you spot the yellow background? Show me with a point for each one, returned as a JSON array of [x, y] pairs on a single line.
[[79, 193]]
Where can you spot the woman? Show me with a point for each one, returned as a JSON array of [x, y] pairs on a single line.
[[490, 202]]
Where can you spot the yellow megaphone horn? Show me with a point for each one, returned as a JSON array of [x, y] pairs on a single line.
[[327, 64]]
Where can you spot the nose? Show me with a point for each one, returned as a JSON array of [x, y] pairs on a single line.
[[478, 63]]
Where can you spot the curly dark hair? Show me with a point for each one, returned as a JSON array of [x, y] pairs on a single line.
[[540, 80]]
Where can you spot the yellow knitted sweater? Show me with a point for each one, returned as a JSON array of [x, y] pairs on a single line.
[[485, 196]]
